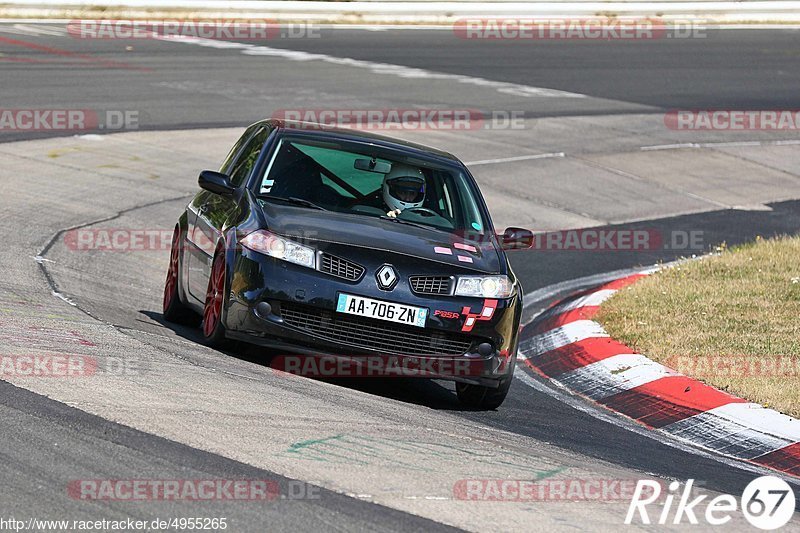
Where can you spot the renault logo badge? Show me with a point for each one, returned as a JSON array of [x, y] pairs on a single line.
[[386, 277]]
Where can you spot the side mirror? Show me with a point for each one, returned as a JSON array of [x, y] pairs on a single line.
[[517, 239], [216, 182]]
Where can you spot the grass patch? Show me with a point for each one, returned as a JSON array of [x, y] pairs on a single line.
[[731, 320]]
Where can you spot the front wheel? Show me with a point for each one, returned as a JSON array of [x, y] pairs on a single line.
[[480, 397], [213, 329]]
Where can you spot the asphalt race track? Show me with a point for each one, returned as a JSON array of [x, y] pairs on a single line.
[[590, 148]]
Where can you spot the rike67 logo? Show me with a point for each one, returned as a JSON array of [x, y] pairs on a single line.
[[767, 502]]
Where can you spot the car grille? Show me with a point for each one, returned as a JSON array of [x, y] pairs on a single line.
[[371, 334], [341, 268], [431, 284]]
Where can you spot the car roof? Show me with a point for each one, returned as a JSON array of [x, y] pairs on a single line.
[[347, 134]]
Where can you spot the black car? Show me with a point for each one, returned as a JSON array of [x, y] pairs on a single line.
[[342, 244]]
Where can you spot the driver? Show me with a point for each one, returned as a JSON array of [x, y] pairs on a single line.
[[403, 188]]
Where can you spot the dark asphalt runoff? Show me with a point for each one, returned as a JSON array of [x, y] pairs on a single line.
[[179, 86], [48, 445]]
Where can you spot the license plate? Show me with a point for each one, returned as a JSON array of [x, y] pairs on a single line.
[[389, 311]]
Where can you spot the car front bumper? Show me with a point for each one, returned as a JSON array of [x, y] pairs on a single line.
[[292, 309]]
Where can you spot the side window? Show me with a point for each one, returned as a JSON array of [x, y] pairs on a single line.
[[231, 157], [247, 160]]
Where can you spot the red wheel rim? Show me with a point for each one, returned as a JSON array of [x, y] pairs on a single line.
[[171, 284], [213, 308]]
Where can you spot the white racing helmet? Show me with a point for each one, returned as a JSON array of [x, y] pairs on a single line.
[[403, 187]]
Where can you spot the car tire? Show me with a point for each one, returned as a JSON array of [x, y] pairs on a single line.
[[173, 310], [212, 325], [481, 397]]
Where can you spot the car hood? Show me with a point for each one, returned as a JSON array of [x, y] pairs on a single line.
[[313, 226]]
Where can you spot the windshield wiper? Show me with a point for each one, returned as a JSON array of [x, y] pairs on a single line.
[[292, 200], [401, 221]]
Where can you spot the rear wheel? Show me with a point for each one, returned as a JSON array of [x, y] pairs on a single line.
[[213, 329], [481, 397], [173, 309]]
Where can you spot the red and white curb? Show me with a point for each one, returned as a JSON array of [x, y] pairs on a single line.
[[565, 345]]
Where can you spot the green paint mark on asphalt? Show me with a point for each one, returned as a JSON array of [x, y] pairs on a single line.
[[549, 473], [301, 448], [361, 450], [298, 446]]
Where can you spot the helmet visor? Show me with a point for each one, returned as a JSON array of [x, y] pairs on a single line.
[[410, 189]]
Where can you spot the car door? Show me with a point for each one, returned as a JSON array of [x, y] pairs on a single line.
[[211, 211]]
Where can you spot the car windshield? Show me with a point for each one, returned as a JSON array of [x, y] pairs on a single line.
[[363, 179]]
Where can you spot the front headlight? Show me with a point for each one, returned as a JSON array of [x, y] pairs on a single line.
[[484, 286], [267, 243]]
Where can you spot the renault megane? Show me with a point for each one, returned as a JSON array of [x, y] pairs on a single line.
[[338, 242]]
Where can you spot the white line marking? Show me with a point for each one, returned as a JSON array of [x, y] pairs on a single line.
[[15, 31], [42, 30], [590, 300], [22, 29], [359, 496], [401, 71], [759, 417], [561, 336], [548, 292], [512, 159], [752, 207], [430, 26], [580, 404], [719, 144], [744, 430], [62, 297], [613, 375]]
